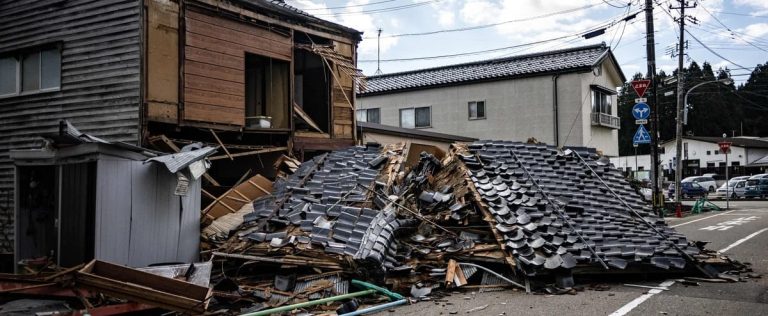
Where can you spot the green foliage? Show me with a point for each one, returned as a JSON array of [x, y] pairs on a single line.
[[713, 108]]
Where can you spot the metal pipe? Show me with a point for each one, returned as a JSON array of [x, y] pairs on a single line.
[[554, 108], [310, 303], [376, 308]]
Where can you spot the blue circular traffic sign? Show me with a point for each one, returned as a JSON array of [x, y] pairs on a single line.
[[641, 111]]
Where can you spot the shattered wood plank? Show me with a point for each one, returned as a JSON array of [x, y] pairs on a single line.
[[221, 144], [143, 287], [450, 272], [486, 215], [231, 201], [248, 153], [303, 115]]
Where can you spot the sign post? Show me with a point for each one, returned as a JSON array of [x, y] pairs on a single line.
[[725, 147]]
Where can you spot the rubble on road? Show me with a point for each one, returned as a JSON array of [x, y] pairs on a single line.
[[487, 215], [346, 232]]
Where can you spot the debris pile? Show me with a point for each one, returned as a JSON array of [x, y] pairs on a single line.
[[489, 214]]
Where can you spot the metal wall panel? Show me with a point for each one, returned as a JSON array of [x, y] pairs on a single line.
[[113, 210], [100, 76]]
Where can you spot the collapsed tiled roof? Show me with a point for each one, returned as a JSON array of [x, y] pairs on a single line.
[[578, 58], [371, 210], [555, 212]]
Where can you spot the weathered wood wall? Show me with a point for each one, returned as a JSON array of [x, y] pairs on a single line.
[[100, 76], [343, 107], [214, 65]]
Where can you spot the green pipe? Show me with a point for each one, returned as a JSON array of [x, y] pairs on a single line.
[[392, 295], [311, 303]]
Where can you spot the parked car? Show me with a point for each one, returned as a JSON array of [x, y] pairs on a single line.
[[706, 182], [688, 189], [736, 189], [759, 176], [757, 187], [731, 185]]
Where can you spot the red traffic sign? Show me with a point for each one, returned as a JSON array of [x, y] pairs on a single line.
[[640, 86], [724, 147]]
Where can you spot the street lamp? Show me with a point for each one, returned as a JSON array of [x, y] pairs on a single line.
[[679, 135]]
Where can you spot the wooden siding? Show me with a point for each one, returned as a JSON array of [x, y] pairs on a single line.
[[214, 65], [162, 61], [343, 106], [100, 73]]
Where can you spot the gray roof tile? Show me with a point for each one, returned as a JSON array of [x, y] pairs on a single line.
[[508, 67]]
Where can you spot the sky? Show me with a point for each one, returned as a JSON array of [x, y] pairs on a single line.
[[733, 34]]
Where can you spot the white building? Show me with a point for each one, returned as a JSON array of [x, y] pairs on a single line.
[[702, 155], [565, 98]]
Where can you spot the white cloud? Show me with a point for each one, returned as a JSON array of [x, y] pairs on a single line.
[[756, 30], [757, 4], [485, 12], [445, 18]]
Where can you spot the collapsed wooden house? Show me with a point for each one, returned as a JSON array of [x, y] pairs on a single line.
[[257, 77]]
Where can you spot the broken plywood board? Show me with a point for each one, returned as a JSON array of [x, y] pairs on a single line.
[[231, 201], [143, 287]]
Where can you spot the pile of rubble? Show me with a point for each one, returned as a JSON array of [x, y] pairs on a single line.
[[356, 230], [486, 214]]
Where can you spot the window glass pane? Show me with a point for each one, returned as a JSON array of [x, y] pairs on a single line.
[[472, 110], [407, 118], [422, 117], [595, 104], [8, 75], [30, 72], [51, 72], [373, 116], [481, 109], [361, 115]]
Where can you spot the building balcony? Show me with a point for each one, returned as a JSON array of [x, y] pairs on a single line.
[[606, 120]]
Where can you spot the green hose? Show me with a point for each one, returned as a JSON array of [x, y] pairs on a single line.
[[392, 295], [311, 303]]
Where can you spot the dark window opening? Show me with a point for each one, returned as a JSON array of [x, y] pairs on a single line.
[[601, 102], [420, 117], [369, 115], [312, 82], [267, 92], [476, 110], [33, 70]]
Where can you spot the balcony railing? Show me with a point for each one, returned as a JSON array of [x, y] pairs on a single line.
[[606, 120]]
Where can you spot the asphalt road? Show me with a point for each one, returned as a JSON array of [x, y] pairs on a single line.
[[741, 232]]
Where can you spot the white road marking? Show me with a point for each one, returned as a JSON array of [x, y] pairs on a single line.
[[701, 219], [730, 223], [636, 302], [741, 241]]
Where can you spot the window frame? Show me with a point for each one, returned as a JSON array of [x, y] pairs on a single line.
[[607, 95], [400, 116], [469, 110], [18, 56], [366, 111]]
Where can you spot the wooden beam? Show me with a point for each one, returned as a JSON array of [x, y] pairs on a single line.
[[221, 144], [248, 153]]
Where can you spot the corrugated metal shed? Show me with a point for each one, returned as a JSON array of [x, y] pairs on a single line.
[[100, 76]]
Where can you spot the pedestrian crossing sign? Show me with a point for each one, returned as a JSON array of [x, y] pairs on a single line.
[[641, 136]]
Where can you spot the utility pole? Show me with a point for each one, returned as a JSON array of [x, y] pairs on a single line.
[[650, 50], [680, 94], [378, 55]]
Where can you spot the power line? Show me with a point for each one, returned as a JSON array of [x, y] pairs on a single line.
[[381, 10], [349, 6], [741, 14], [461, 29], [712, 51], [729, 29], [600, 26]]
